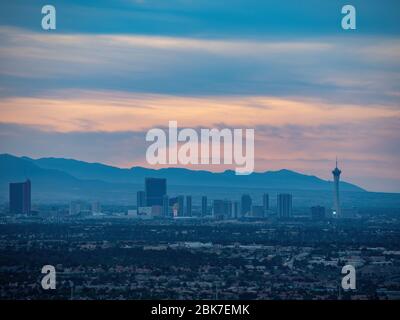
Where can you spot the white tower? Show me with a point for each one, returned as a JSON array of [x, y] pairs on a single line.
[[336, 203]]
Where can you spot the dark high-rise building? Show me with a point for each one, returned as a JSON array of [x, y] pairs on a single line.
[[165, 206], [284, 202], [265, 203], [155, 190], [318, 213], [76, 207], [20, 197], [180, 205], [222, 209], [203, 206], [141, 199], [173, 201], [188, 206], [235, 209], [245, 206], [174, 204]]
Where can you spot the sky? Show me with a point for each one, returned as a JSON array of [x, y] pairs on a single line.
[[112, 70]]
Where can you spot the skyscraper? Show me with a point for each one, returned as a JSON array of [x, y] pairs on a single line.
[[155, 190], [173, 203], [20, 197], [96, 207], [188, 206], [222, 209], [180, 206], [284, 202], [235, 209], [336, 203], [265, 203], [75, 207], [203, 206], [165, 206], [141, 199], [245, 206]]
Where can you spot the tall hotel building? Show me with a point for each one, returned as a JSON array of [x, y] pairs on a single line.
[[284, 202], [203, 206], [20, 197], [156, 189]]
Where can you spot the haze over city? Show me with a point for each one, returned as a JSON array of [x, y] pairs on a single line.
[[216, 154]]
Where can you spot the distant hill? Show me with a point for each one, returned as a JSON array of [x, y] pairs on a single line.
[[57, 172], [57, 180], [18, 169]]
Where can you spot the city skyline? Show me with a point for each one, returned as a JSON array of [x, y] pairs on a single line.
[[200, 157], [191, 169], [156, 202]]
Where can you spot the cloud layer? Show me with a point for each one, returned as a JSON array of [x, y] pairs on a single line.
[[362, 70], [301, 134], [94, 87]]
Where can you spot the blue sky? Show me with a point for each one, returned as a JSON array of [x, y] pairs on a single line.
[[207, 18], [113, 69]]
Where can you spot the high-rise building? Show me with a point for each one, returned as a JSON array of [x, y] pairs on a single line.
[[165, 206], [174, 205], [203, 206], [318, 213], [284, 204], [180, 205], [265, 199], [222, 209], [141, 199], [245, 205], [336, 203], [235, 209], [188, 206], [96, 207], [75, 207], [20, 197], [155, 190]]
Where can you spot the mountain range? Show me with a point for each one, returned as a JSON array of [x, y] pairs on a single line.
[[58, 176]]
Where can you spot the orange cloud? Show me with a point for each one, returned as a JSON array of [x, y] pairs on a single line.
[[92, 111]]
